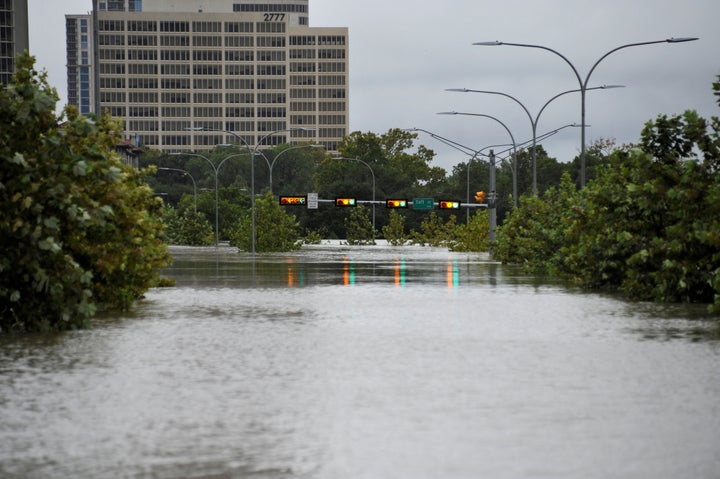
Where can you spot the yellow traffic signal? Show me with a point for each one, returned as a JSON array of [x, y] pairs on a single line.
[[396, 203], [480, 196], [449, 205], [293, 200], [344, 202]]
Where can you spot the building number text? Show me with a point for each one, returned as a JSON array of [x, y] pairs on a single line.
[[274, 17]]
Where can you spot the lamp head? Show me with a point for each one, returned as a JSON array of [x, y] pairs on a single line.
[[489, 44], [681, 39]]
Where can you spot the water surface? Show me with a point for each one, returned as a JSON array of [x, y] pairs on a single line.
[[365, 362]]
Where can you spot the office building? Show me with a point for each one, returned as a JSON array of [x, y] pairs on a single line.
[[13, 35], [181, 74]]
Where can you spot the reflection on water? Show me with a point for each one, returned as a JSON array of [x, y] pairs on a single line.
[[365, 362]]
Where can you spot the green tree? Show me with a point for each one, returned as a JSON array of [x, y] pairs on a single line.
[[394, 231], [435, 232], [275, 229], [191, 228], [399, 172], [78, 230], [533, 234], [359, 227], [475, 236]]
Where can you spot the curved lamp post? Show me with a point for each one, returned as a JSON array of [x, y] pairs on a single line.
[[271, 164], [373, 182], [253, 152], [583, 82], [533, 121], [187, 173], [216, 170], [473, 154], [512, 139]]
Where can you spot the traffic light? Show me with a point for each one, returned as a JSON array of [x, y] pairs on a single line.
[[396, 203], [345, 202], [449, 205], [480, 196], [293, 200]]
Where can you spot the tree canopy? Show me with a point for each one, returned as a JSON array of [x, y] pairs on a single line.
[[78, 229]]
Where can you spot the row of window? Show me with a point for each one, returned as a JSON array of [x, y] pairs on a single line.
[[146, 111], [233, 70], [115, 54], [190, 27], [209, 41], [111, 83], [270, 8]]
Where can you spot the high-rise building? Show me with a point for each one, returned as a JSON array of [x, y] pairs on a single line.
[[13, 35], [181, 74]]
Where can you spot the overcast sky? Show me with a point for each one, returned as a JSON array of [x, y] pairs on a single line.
[[404, 54]]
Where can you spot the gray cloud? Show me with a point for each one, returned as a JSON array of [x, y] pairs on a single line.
[[404, 54]]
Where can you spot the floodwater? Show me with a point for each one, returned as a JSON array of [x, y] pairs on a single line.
[[341, 362]]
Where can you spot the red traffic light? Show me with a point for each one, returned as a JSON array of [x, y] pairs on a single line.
[[480, 196], [293, 200], [449, 205], [396, 203], [344, 202]]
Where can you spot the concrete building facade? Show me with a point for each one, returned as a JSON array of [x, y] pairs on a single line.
[[14, 38], [191, 74]]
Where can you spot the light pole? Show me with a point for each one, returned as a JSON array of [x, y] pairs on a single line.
[[373, 182], [271, 164], [473, 154], [216, 170], [253, 151], [583, 83], [512, 139], [533, 121], [193, 182]]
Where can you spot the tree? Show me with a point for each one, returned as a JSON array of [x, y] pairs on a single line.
[[275, 229], [191, 228], [475, 236], [394, 231], [359, 227], [398, 173], [533, 234], [78, 230]]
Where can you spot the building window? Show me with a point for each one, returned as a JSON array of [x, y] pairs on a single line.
[[206, 27], [174, 26], [238, 27], [242, 41]]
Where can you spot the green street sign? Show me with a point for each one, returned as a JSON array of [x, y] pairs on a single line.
[[423, 203]]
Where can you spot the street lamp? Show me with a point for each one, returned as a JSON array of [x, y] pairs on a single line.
[[216, 170], [533, 121], [583, 83], [373, 182], [271, 164], [193, 182], [473, 154], [512, 139], [253, 152]]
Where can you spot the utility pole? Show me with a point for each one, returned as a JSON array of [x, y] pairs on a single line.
[[492, 203]]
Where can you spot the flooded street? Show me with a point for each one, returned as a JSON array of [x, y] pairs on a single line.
[[340, 362]]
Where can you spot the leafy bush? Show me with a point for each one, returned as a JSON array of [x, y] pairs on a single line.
[[190, 229], [647, 225], [358, 227], [475, 236], [434, 232], [78, 230], [533, 233], [394, 231], [275, 230]]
